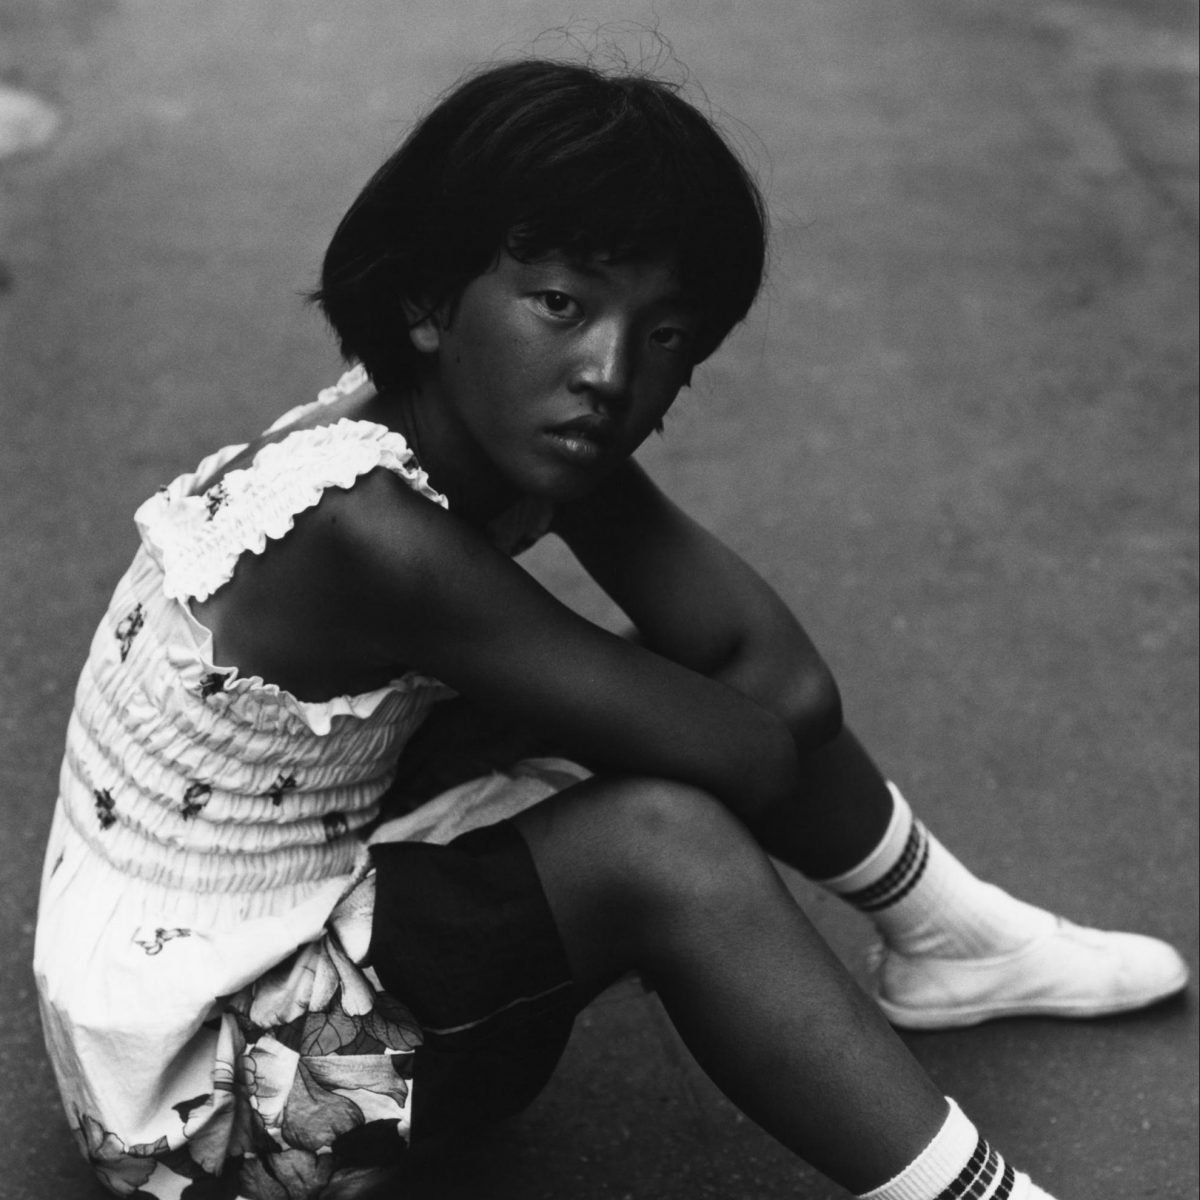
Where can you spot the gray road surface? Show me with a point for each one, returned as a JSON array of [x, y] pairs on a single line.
[[959, 434]]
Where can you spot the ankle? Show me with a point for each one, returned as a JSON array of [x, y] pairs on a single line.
[[958, 1162], [960, 916], [925, 903]]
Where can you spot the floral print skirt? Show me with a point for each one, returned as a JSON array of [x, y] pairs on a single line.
[[430, 993]]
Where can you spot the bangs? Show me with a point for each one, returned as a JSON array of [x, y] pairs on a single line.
[[538, 157], [644, 177]]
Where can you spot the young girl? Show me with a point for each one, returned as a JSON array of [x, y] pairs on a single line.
[[253, 984]]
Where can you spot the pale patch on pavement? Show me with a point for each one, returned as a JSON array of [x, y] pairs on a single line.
[[26, 123]]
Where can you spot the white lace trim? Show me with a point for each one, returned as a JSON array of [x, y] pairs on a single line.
[[198, 539]]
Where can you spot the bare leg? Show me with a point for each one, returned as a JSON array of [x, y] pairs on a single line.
[[863, 843], [661, 878], [845, 812]]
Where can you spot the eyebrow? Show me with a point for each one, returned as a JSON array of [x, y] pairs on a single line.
[[677, 294]]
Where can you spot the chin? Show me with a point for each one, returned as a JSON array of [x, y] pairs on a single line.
[[564, 491], [560, 485]]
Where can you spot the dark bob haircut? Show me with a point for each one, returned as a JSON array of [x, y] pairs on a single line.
[[535, 157]]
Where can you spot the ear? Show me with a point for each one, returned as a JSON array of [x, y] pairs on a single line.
[[424, 328]]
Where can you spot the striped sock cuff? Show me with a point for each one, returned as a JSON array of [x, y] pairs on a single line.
[[986, 1176], [893, 868], [905, 874], [957, 1165]]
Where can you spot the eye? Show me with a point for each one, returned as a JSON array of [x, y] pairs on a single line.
[[559, 304], [668, 337]]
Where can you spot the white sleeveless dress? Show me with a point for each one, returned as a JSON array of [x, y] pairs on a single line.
[[207, 894]]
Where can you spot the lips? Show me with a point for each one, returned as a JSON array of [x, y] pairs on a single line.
[[594, 426], [585, 438]]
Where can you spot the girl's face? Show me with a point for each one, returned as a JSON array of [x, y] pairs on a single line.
[[550, 373]]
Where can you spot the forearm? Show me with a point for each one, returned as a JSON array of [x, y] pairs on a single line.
[[706, 733], [749, 759], [776, 665], [695, 602]]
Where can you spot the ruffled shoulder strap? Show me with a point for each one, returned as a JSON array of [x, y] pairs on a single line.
[[351, 381], [198, 538]]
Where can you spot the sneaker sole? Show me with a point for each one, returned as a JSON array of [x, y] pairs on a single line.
[[964, 1016]]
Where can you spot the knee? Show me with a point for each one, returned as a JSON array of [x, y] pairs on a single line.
[[678, 847]]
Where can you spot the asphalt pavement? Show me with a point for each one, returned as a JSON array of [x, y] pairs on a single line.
[[959, 434]]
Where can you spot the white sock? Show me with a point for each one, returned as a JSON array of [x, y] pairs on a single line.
[[958, 1163], [925, 902]]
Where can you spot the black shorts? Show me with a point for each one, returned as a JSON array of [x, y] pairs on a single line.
[[463, 936]]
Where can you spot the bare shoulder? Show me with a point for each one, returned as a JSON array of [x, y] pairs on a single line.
[[412, 577], [378, 580], [388, 538], [330, 608]]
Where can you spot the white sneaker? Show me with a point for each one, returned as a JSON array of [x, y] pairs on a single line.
[[1068, 971]]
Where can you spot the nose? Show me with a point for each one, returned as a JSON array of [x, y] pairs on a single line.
[[604, 365]]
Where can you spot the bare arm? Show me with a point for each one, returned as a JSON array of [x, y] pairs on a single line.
[[431, 594], [697, 603]]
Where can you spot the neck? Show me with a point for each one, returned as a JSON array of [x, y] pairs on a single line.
[[456, 465]]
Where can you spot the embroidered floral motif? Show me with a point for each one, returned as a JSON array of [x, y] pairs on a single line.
[[335, 826], [129, 627], [194, 799], [153, 941], [105, 807], [214, 497], [212, 683], [283, 783]]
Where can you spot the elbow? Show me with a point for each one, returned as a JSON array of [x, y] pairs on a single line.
[[812, 718], [794, 685], [797, 717]]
